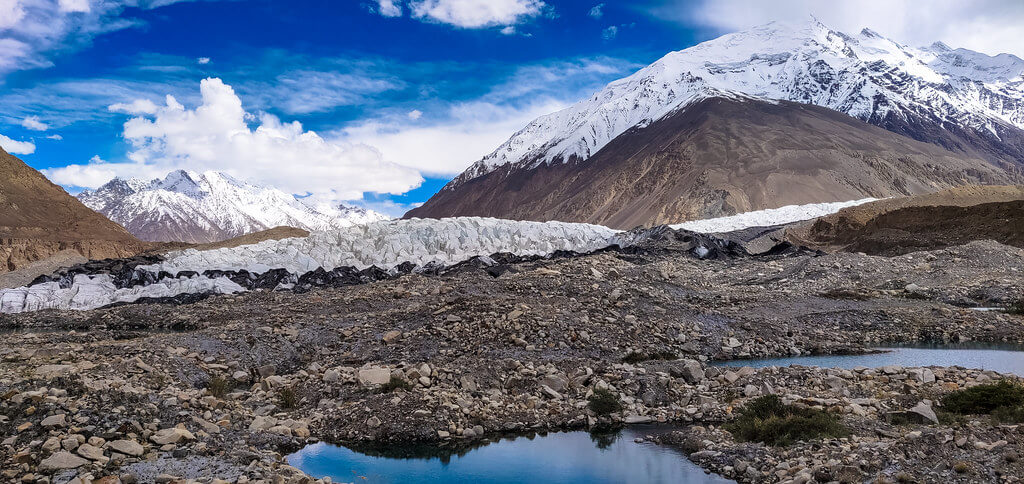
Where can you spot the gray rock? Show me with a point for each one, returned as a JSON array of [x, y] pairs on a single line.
[[924, 409], [127, 447], [374, 376], [60, 461]]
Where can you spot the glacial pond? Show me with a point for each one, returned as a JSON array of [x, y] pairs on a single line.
[[564, 457], [1003, 358]]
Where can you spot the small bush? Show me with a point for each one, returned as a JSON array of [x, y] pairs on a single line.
[[604, 402], [1009, 415], [766, 419], [395, 383], [961, 467], [287, 397], [984, 399], [218, 386], [635, 357]]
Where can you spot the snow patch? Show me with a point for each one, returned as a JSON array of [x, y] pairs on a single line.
[[769, 217]]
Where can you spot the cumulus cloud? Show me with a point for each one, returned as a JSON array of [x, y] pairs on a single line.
[[597, 11], [610, 33], [33, 123], [415, 114], [17, 147], [989, 26], [55, 137], [221, 135], [203, 60], [467, 14], [389, 8]]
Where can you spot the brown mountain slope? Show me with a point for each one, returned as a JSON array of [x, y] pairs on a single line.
[[718, 157], [39, 219]]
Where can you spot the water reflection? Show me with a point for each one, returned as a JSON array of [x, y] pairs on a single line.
[[568, 457]]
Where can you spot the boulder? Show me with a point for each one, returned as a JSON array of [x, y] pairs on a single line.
[[126, 447], [374, 376], [172, 435], [60, 461], [690, 370]]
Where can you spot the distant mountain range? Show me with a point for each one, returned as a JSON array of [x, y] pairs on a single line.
[[209, 207], [778, 114]]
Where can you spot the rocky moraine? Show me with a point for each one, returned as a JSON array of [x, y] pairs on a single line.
[[222, 389]]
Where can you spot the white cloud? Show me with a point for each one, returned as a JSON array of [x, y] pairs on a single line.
[[74, 5], [217, 136], [475, 14], [11, 12], [33, 123], [17, 147], [597, 11], [138, 106], [203, 60], [471, 131], [55, 137], [989, 26], [610, 33], [389, 8], [415, 114], [33, 31], [510, 30]]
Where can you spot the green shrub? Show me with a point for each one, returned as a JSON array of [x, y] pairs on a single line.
[[766, 419], [604, 402], [984, 399], [1009, 415], [395, 383], [218, 386], [287, 397]]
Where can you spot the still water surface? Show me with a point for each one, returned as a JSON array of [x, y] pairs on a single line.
[[566, 457]]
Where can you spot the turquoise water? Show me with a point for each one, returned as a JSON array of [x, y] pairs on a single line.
[[1001, 358], [566, 457]]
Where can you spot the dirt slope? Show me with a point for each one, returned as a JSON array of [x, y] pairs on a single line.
[[923, 222], [718, 157], [39, 219]]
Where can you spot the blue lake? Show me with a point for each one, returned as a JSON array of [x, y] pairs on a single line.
[[566, 457], [1006, 358]]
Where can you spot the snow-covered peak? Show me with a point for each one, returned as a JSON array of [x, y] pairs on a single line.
[[204, 207], [866, 75]]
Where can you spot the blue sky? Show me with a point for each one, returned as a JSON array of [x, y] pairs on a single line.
[[377, 102]]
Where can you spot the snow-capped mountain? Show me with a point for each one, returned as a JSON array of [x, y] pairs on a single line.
[[977, 97], [210, 206], [772, 116]]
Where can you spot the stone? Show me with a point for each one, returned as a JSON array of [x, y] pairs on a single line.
[[92, 453], [690, 370], [555, 382], [126, 447], [171, 435], [373, 422], [923, 375], [60, 461], [332, 375], [374, 376], [392, 336], [52, 421], [637, 419], [924, 409]]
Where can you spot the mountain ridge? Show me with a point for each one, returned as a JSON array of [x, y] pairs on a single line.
[[209, 207]]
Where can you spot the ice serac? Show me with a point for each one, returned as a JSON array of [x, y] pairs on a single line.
[[968, 104], [388, 244], [210, 207]]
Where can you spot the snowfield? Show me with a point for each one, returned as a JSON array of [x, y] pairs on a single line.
[[769, 217]]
